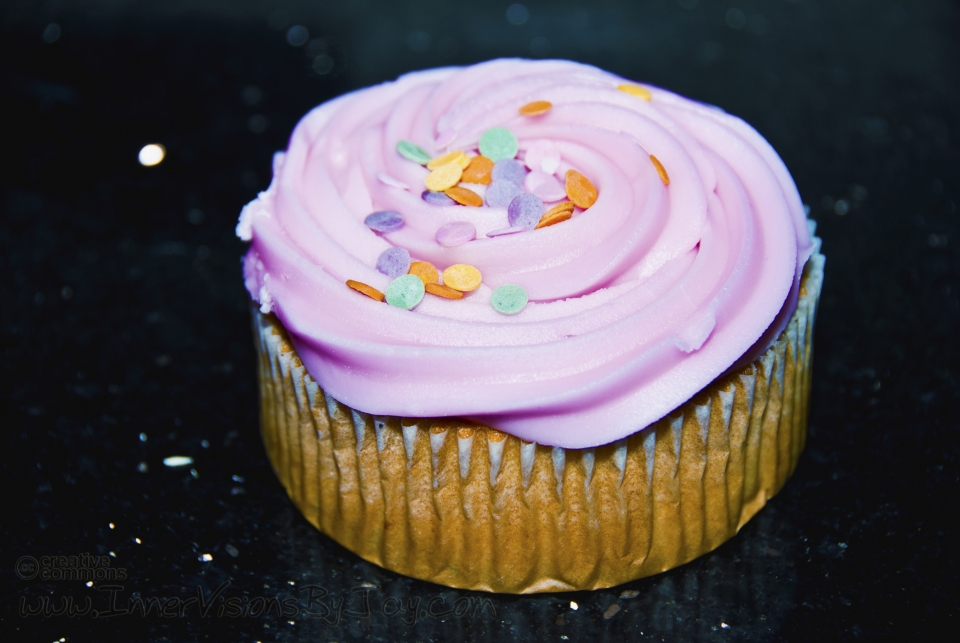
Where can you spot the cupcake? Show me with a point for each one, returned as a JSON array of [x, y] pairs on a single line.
[[528, 326]]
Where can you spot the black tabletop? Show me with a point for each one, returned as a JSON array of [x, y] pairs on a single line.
[[126, 334]]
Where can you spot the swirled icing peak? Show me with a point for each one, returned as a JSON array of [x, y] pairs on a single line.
[[683, 263]]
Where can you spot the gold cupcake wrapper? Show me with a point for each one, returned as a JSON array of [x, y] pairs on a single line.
[[457, 504]]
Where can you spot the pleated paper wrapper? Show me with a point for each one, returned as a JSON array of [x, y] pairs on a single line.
[[462, 505]]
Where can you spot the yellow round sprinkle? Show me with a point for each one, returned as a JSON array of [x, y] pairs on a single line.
[[443, 291], [449, 157], [536, 108], [636, 90], [369, 291], [427, 272], [444, 177], [660, 170], [462, 277]]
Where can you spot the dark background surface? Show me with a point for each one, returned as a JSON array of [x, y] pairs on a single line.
[[125, 330]]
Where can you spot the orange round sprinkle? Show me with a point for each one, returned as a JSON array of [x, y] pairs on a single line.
[[580, 190], [363, 288], [478, 171], [556, 214], [660, 170], [536, 108], [462, 277], [561, 207], [636, 90], [427, 272], [553, 216], [463, 196], [443, 291], [449, 157], [445, 176]]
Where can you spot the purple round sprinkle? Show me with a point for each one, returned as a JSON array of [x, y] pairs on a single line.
[[384, 221], [394, 262], [509, 170], [499, 194], [437, 198], [525, 210], [456, 233], [499, 232]]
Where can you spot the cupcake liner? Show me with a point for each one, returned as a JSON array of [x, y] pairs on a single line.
[[448, 501]]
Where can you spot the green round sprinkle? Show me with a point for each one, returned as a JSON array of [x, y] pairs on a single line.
[[508, 299], [405, 291], [413, 152], [498, 143]]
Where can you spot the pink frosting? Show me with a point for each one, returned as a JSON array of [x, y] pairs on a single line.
[[636, 304]]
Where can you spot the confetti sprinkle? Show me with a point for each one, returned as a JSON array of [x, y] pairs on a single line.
[[478, 171], [384, 221], [543, 156], [525, 210], [436, 198], [413, 152], [443, 291], [445, 176], [405, 292], [499, 232], [426, 271], [394, 262], [509, 170], [455, 233], [509, 299], [177, 461], [546, 186], [636, 90], [464, 196], [498, 143], [662, 171], [580, 190], [462, 277], [386, 179], [500, 193], [456, 156], [536, 108], [364, 289], [611, 611], [556, 214]]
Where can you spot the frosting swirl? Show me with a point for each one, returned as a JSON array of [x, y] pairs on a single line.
[[636, 303]]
